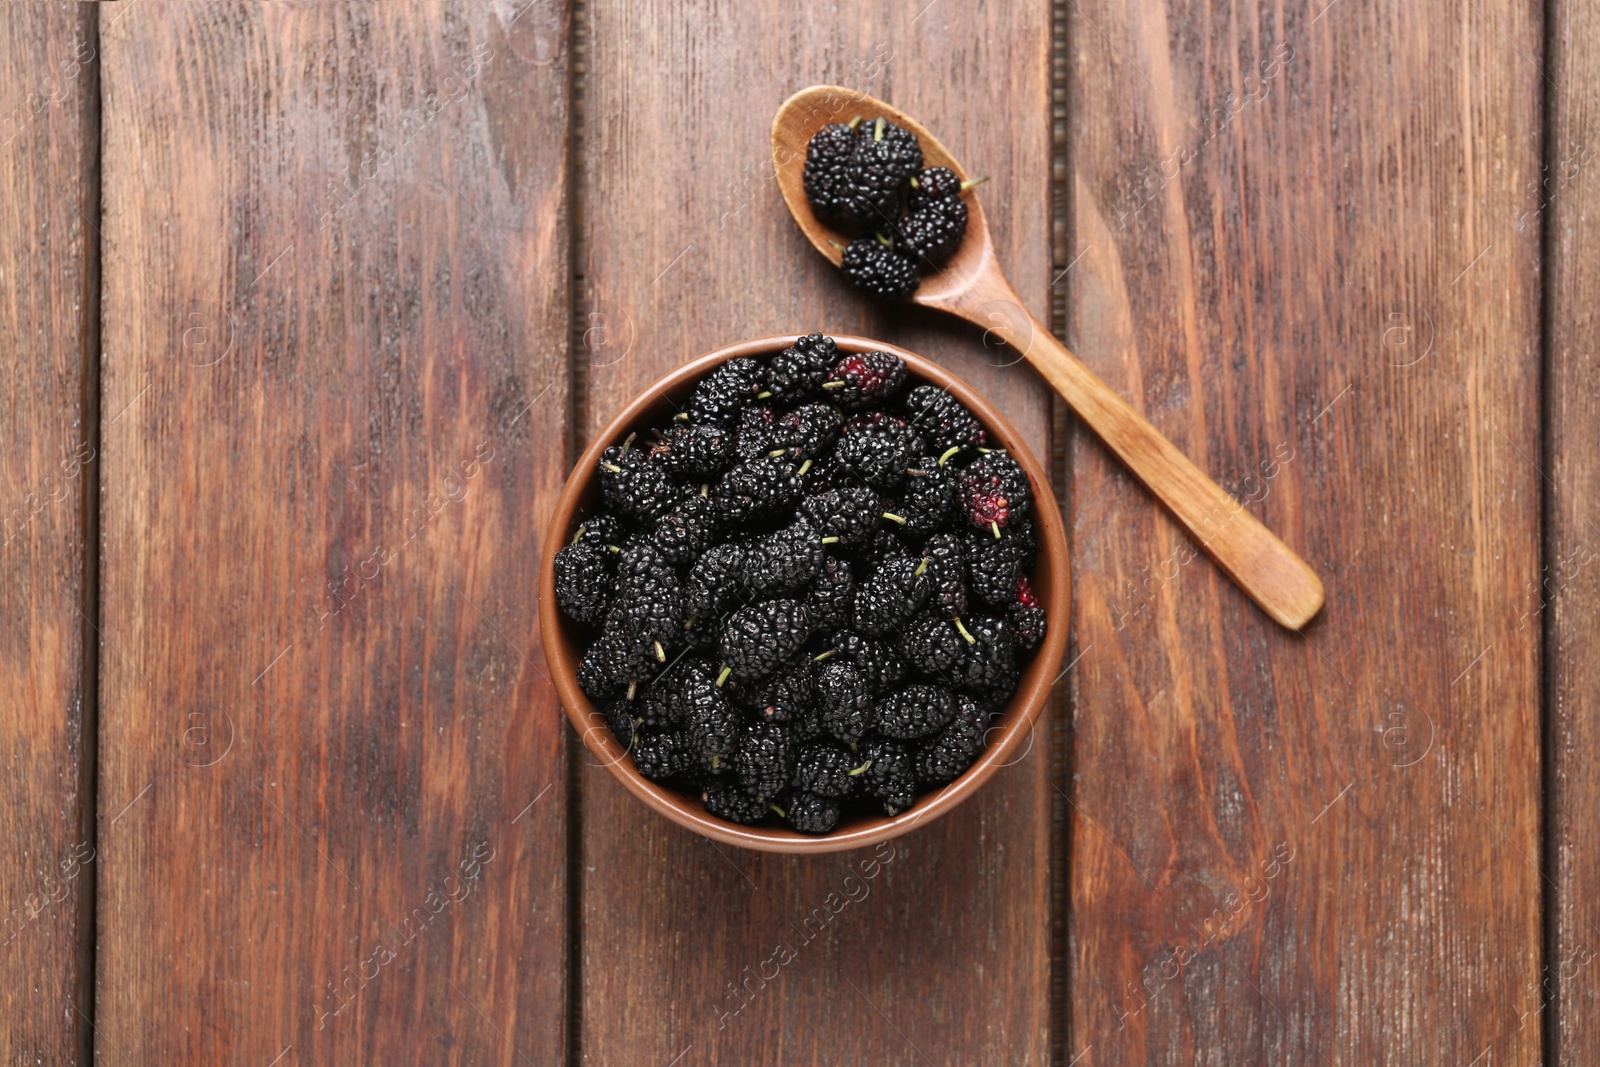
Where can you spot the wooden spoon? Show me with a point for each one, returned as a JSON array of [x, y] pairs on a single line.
[[972, 286]]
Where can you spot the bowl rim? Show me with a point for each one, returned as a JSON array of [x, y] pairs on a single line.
[[1016, 723]]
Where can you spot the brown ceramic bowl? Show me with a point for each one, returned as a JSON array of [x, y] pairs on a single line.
[[1051, 580]]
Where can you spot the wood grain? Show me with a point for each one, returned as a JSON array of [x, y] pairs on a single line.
[[1312, 849], [335, 322], [48, 311], [945, 955], [1559, 203]]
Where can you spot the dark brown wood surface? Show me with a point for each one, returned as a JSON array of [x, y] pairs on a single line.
[[1300, 254], [48, 333], [1559, 204], [332, 775], [302, 309], [687, 246]]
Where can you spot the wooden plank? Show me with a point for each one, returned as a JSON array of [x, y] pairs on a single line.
[[1559, 203], [947, 954], [335, 321], [49, 106], [1300, 256]]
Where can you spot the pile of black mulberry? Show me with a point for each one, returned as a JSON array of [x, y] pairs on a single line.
[[866, 177], [809, 591]]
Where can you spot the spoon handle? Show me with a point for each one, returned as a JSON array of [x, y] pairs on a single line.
[[1268, 570]]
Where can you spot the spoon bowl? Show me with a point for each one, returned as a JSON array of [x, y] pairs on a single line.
[[807, 111], [972, 286]]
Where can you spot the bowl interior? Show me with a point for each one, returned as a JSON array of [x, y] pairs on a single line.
[[1009, 735]]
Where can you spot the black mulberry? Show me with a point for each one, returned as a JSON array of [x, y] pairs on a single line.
[[765, 760], [619, 718], [710, 723], [633, 485], [848, 516], [601, 530], [726, 800], [932, 185], [866, 378], [891, 777], [878, 269], [721, 396], [648, 592], [993, 491], [890, 595], [714, 581], [845, 192], [687, 529], [662, 757], [807, 433], [762, 488], [878, 448], [946, 554], [827, 770], [584, 581], [942, 420], [782, 696], [931, 234], [935, 647], [796, 374], [991, 654], [812, 814], [1027, 617], [880, 665], [754, 436], [945, 755], [993, 565], [927, 497], [913, 712], [831, 600], [757, 639], [783, 561], [844, 699], [697, 453], [853, 176]]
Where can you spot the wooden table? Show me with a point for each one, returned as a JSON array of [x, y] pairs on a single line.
[[306, 308]]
